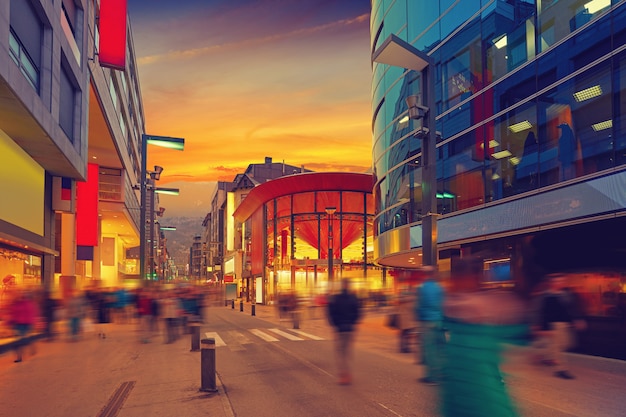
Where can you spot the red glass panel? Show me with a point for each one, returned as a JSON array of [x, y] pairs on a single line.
[[112, 48]]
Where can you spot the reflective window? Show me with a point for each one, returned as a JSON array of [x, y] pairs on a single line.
[[22, 60], [574, 132], [575, 127], [558, 18], [455, 15], [620, 111], [423, 24], [462, 172], [461, 70], [395, 19], [513, 153], [67, 103]]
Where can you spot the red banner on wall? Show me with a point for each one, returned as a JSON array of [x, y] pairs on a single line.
[[112, 25], [87, 208]]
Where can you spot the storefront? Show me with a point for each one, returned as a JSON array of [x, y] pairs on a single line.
[[307, 232]]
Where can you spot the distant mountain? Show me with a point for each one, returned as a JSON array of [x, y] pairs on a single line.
[[179, 241]]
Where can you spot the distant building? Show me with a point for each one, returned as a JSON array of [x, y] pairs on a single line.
[[304, 233], [223, 250]]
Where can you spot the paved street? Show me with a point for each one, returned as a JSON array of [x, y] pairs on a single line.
[[265, 367]]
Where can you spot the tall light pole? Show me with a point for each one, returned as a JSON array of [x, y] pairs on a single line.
[[166, 142], [330, 211], [396, 52]]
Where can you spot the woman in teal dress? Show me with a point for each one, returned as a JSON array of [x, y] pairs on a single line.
[[477, 323]]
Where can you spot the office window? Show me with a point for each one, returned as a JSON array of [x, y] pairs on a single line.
[[25, 40]]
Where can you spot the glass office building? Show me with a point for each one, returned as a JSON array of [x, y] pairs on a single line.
[[530, 141]]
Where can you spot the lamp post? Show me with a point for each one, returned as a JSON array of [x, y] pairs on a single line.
[[396, 52], [166, 142], [330, 211]]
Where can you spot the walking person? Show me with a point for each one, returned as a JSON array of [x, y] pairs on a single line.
[[49, 307], [23, 313], [429, 313], [557, 323], [344, 312], [478, 321], [406, 320], [75, 311], [103, 315], [144, 314], [168, 306]]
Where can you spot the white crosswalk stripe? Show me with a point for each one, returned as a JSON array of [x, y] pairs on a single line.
[[263, 335], [242, 337], [285, 334], [218, 339], [305, 334]]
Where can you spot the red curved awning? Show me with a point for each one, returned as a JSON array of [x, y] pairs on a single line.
[[300, 183]]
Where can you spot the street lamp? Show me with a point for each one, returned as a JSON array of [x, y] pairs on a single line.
[[396, 52], [330, 211], [165, 142]]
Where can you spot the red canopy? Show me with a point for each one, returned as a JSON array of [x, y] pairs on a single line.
[[312, 193]]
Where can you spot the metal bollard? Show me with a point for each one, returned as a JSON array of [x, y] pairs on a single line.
[[232, 303], [296, 320], [195, 337], [208, 365], [241, 305], [253, 309], [226, 303]]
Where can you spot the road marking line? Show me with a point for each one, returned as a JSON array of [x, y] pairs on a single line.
[[218, 339], [388, 409], [263, 336], [305, 334], [285, 334], [239, 337]]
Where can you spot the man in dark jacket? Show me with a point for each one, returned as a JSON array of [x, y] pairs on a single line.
[[344, 312], [557, 321]]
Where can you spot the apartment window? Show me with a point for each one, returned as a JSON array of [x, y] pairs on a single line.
[[25, 40], [67, 104]]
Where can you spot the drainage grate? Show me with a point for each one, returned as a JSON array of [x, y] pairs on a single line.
[[113, 406]]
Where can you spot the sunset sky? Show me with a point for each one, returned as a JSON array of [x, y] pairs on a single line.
[[242, 80]]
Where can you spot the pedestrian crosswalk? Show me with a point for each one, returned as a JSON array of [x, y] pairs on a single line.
[[248, 336]]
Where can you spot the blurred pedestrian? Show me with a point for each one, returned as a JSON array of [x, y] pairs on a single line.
[[49, 307], [406, 320], [103, 304], [478, 321], [539, 342], [23, 313], [155, 311], [168, 306], [429, 313], [577, 311], [75, 312], [144, 314], [557, 324], [344, 312]]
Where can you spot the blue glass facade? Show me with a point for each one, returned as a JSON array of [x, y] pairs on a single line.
[[529, 100]]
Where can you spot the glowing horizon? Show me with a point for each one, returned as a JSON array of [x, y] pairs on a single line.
[[292, 83]]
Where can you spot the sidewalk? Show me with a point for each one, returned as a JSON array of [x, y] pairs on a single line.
[[65, 378], [159, 379]]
